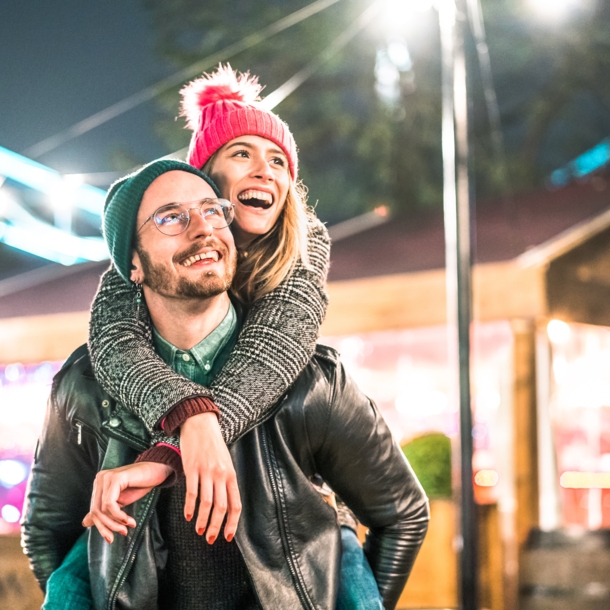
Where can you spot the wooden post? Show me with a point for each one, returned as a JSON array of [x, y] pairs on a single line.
[[491, 559], [525, 428]]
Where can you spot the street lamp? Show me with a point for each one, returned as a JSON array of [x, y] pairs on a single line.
[[458, 263], [553, 8]]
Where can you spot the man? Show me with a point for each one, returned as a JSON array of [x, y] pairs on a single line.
[[286, 551]]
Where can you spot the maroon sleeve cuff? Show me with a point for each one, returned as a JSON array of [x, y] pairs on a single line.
[[185, 409], [164, 454]]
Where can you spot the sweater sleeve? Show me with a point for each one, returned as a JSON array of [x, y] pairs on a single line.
[[276, 342]]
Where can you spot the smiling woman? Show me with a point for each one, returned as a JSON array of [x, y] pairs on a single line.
[[253, 173]]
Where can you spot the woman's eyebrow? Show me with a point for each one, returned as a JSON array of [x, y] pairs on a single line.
[[246, 144], [275, 151]]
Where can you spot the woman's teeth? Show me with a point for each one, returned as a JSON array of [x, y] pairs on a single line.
[[199, 257], [256, 198]]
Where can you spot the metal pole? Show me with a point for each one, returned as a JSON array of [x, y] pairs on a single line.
[[456, 201]]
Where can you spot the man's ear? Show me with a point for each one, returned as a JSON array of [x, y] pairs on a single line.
[[137, 275]]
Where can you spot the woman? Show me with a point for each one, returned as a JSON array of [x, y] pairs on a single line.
[[283, 262]]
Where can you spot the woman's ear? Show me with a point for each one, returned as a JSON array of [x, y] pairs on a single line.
[[136, 276]]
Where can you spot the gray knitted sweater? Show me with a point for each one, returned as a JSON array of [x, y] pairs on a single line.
[[276, 342]]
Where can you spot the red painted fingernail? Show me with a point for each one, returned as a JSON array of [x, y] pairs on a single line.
[[229, 537], [200, 531], [211, 539], [189, 517]]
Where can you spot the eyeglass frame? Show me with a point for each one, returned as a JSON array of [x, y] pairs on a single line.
[[229, 205]]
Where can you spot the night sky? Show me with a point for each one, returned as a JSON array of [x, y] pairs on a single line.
[[62, 61]]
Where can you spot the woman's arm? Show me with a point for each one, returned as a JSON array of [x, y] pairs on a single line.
[[124, 359], [276, 342]]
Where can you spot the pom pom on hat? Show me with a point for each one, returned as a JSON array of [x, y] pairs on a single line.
[[225, 105], [223, 85]]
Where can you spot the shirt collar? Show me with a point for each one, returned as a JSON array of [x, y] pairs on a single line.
[[206, 351]]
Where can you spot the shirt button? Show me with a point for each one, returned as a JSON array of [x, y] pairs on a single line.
[[186, 357], [207, 366]]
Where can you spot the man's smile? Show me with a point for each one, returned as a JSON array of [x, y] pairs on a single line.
[[212, 256]]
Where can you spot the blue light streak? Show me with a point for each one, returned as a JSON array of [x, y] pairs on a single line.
[[20, 229], [590, 161], [48, 181]]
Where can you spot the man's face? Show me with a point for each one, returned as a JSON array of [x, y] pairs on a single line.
[[166, 263]]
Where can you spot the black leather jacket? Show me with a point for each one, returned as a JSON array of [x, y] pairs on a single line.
[[287, 534]]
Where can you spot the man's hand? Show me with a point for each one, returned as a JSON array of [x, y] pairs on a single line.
[[210, 475], [119, 487]]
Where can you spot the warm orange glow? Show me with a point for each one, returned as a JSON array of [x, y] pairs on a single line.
[[381, 210], [585, 480], [486, 478]]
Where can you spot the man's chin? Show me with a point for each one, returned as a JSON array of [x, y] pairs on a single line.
[[206, 287]]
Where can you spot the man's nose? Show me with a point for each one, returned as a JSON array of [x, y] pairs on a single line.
[[198, 224]]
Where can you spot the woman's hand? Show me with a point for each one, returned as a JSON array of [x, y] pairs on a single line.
[[210, 475], [120, 487]]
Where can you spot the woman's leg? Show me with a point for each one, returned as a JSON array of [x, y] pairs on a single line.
[[69, 588], [357, 587]]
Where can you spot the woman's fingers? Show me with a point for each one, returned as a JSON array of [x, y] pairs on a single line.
[[219, 511], [234, 500], [206, 500], [210, 476], [192, 492]]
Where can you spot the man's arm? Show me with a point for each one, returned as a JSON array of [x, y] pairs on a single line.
[[356, 454], [58, 494]]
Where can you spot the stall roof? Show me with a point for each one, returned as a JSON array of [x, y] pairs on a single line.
[[542, 224]]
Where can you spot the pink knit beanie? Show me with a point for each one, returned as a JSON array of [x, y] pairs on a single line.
[[225, 105]]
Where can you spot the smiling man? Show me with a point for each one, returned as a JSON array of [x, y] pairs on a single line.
[[287, 549]]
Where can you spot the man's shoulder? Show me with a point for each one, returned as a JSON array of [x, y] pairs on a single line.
[[74, 386], [325, 363], [327, 354], [76, 365], [318, 379]]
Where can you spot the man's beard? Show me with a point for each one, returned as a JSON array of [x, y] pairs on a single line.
[[161, 280]]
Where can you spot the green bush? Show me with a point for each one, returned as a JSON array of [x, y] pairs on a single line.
[[430, 458]]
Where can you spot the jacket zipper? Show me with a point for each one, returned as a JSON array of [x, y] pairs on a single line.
[[80, 426], [131, 555], [304, 598]]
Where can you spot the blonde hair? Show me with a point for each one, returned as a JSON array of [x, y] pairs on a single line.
[[271, 257]]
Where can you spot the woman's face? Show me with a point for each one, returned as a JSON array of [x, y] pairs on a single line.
[[252, 173]]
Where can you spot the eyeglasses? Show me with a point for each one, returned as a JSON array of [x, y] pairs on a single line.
[[174, 218]]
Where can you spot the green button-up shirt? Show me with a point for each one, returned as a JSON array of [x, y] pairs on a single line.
[[201, 363]]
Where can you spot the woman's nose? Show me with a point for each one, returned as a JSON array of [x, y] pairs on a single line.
[[262, 169]]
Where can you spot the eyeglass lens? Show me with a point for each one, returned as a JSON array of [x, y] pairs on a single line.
[[173, 218]]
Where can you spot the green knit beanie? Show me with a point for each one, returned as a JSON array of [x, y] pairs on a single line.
[[122, 205]]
